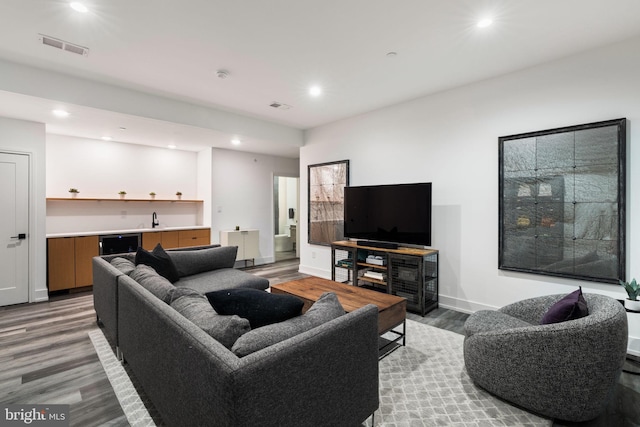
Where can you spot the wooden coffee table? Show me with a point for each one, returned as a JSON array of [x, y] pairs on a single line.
[[392, 310]]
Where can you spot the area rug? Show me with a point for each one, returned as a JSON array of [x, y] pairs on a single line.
[[423, 384]]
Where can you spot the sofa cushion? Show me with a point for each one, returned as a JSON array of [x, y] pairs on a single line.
[[160, 261], [325, 309], [124, 265], [223, 278], [571, 307], [199, 260], [260, 307], [196, 308], [149, 279]]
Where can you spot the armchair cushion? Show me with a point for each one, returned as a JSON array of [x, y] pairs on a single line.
[[571, 307], [488, 321]]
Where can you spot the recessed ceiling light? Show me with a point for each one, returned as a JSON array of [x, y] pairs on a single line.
[[315, 91], [78, 7], [484, 23], [236, 141], [60, 113], [106, 138], [172, 146]]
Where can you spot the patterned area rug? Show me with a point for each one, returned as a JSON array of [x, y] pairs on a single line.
[[426, 384], [421, 385]]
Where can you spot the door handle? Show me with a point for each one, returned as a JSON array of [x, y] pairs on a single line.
[[20, 236]]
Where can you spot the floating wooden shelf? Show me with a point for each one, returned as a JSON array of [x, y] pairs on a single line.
[[108, 199]]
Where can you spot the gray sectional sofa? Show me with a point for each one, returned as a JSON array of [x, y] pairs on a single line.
[[325, 375], [203, 268]]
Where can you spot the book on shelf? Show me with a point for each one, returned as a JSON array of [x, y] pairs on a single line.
[[374, 275], [345, 263]]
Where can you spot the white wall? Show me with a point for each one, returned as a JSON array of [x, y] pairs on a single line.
[[451, 139], [242, 194], [101, 169], [17, 136]]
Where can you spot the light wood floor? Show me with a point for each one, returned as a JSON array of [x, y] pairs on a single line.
[[47, 357]]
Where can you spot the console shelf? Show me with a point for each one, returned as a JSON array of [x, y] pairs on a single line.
[[411, 273]]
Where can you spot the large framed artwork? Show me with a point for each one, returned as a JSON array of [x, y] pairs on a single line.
[[326, 201], [562, 202]]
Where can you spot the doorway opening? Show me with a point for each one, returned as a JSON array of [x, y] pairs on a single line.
[[285, 227]]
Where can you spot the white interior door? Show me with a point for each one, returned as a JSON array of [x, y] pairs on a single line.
[[14, 233]]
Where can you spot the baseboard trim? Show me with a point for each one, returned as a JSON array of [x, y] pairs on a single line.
[[40, 295], [325, 274], [461, 305]]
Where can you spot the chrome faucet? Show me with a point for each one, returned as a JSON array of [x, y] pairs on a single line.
[[154, 220]]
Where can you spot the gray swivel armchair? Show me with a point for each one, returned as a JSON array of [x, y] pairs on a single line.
[[564, 371]]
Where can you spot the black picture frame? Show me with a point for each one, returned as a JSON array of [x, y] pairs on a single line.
[[326, 182], [562, 202]]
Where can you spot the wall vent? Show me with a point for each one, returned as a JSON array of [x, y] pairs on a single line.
[[63, 45], [280, 106]]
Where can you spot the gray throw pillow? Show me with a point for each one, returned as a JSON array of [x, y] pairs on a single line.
[[325, 309], [224, 329], [124, 265], [197, 261], [152, 281]]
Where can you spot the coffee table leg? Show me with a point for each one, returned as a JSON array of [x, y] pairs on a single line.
[[392, 344]]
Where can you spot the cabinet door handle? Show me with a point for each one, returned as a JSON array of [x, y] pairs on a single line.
[[20, 236]]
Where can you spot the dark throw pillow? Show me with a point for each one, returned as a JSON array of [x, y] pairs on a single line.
[[160, 261], [259, 307], [571, 307]]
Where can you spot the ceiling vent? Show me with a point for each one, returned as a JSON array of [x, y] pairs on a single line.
[[63, 45], [280, 106]]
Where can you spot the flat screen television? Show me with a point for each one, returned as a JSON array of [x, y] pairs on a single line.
[[399, 213]]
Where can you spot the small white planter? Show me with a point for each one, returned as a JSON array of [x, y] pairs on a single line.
[[632, 305]]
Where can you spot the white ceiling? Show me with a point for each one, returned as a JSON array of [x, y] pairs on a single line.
[[274, 50]]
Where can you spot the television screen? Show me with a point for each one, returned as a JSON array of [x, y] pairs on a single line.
[[399, 213]]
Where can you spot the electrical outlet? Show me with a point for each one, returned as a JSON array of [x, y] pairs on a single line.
[[313, 255]]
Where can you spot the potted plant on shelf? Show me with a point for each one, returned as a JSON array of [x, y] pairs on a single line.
[[633, 291], [153, 195], [122, 193], [74, 192], [179, 195]]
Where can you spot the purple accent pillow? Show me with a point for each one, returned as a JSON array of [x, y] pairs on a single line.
[[571, 307]]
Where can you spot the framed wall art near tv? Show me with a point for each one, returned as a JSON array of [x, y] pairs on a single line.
[[326, 201], [562, 202]]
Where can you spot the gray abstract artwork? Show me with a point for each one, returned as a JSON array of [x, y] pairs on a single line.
[[562, 201], [326, 201]]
